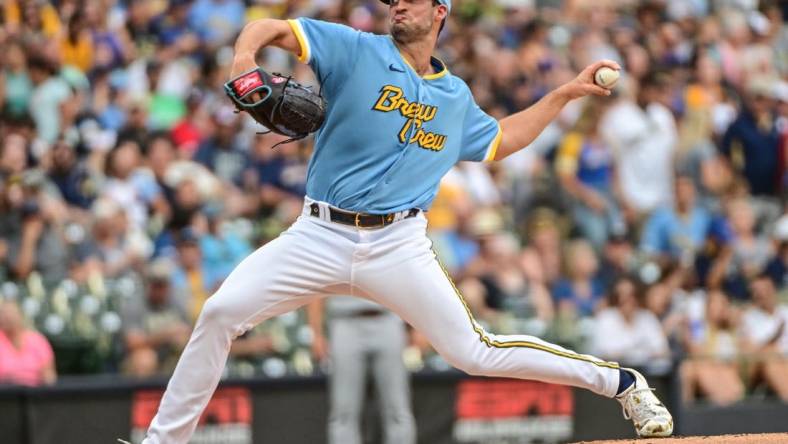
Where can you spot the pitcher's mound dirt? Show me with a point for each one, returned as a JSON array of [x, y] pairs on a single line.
[[763, 438]]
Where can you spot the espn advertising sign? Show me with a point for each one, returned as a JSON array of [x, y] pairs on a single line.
[[504, 411], [226, 420]]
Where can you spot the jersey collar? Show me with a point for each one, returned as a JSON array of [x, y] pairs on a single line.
[[438, 64]]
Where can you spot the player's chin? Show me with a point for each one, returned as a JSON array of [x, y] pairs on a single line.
[[400, 32], [403, 33], [398, 28]]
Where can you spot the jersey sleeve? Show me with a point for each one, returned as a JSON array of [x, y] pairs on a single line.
[[481, 135], [328, 48]]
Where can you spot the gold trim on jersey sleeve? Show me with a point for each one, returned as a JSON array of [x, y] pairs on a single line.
[[493, 148], [303, 42]]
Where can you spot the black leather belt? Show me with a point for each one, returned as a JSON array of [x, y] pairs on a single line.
[[359, 220]]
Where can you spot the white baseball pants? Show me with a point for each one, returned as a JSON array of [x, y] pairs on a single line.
[[394, 266]]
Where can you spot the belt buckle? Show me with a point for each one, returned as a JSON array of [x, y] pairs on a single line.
[[381, 224]]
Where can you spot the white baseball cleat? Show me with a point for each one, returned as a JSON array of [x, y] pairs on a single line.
[[651, 418]]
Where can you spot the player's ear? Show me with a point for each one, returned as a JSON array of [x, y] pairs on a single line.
[[441, 12]]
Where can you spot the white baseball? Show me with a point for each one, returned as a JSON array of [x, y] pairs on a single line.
[[606, 77]]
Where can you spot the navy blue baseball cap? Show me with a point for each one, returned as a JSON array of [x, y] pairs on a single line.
[[446, 3]]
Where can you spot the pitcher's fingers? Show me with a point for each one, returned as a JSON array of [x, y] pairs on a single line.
[[597, 90], [606, 62]]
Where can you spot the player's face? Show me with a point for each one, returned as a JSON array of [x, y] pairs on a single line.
[[411, 20]]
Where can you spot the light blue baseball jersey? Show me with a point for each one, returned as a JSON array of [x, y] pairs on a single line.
[[389, 134]]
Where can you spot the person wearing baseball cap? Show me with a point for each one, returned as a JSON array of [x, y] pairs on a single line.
[[446, 3], [395, 122]]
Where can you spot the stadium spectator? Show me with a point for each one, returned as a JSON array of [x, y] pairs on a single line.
[[15, 80], [156, 326], [708, 112], [661, 300], [14, 157], [618, 258], [30, 224], [221, 153], [77, 183], [275, 174], [544, 240], [113, 46], [778, 265], [192, 275], [76, 46], [36, 17], [536, 302], [188, 133], [172, 28], [626, 332], [713, 345], [781, 94], [26, 357], [449, 225], [507, 287], [643, 135], [134, 125], [159, 155], [131, 185], [765, 330], [586, 169], [750, 246], [222, 248], [677, 232], [115, 243], [216, 21], [165, 90], [751, 141], [746, 256], [581, 293], [138, 21], [191, 185], [50, 90]]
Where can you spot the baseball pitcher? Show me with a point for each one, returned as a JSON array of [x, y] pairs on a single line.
[[393, 122]]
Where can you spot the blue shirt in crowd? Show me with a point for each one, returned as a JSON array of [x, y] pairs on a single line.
[[668, 233]]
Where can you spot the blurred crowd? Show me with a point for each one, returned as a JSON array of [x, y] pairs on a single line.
[[648, 228]]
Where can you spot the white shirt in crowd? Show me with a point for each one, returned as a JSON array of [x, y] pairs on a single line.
[[638, 343], [644, 142], [475, 180], [760, 327]]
